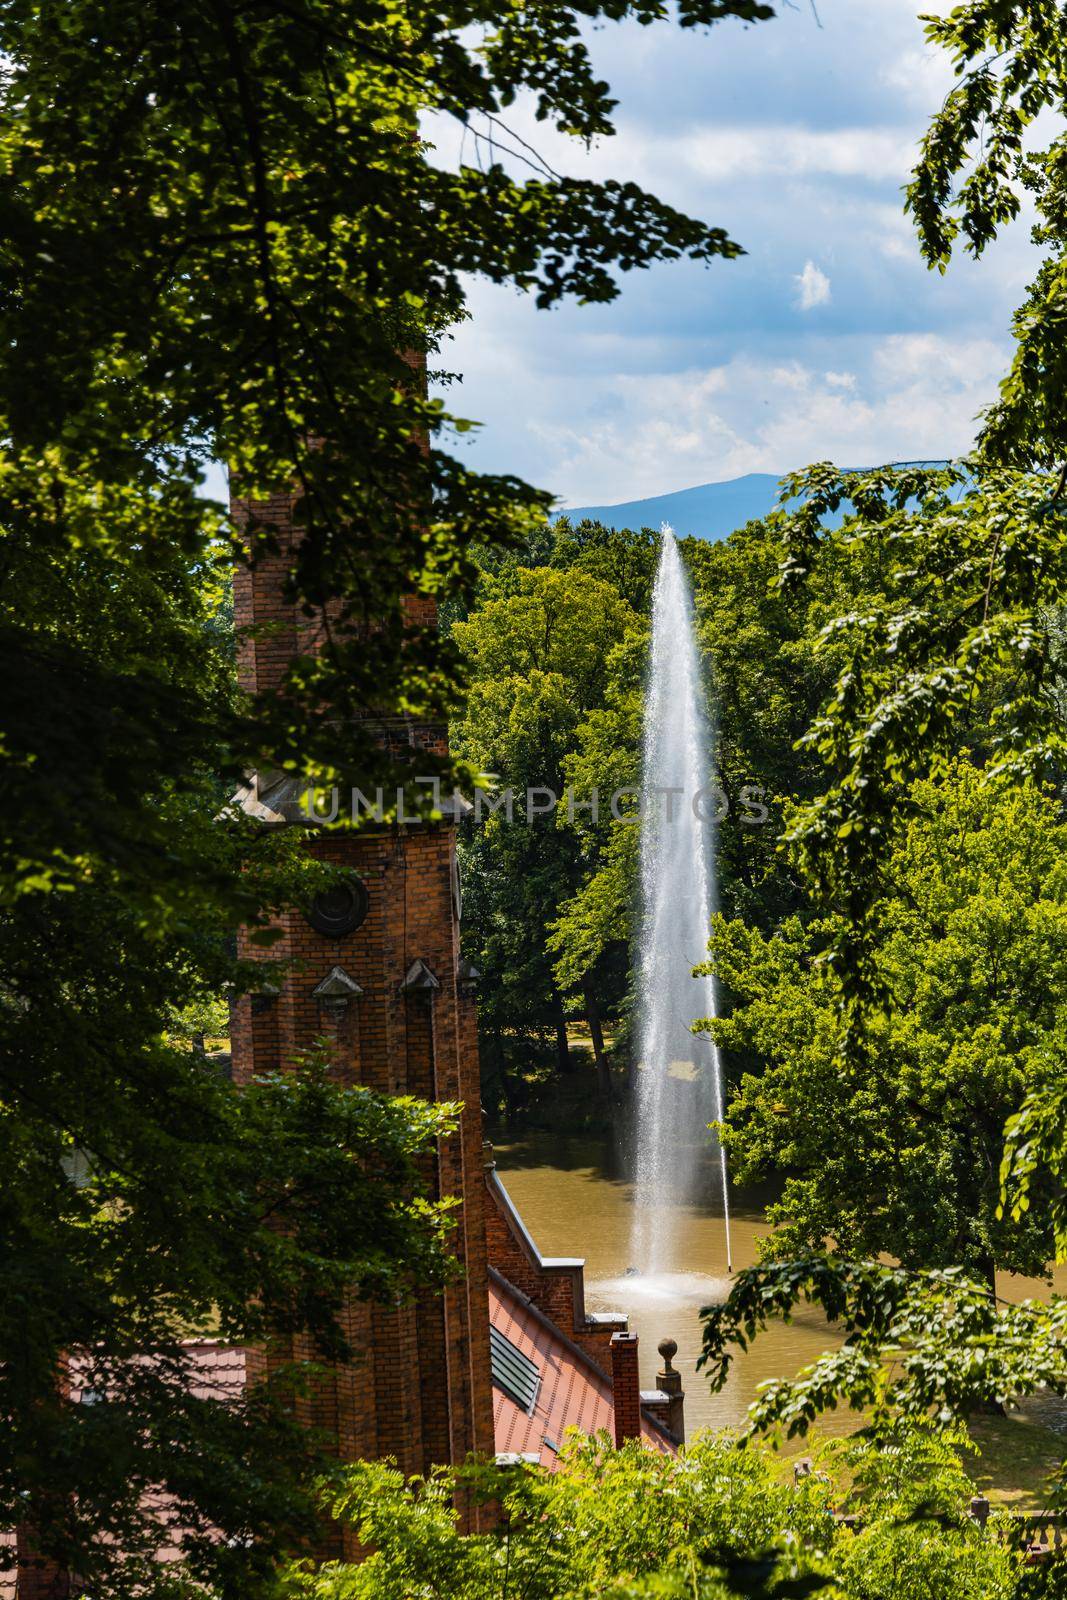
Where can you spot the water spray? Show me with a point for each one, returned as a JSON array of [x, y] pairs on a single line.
[[677, 902]]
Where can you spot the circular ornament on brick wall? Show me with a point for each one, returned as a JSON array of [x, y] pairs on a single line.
[[340, 909]]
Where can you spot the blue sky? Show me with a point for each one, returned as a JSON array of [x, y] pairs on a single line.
[[828, 339]]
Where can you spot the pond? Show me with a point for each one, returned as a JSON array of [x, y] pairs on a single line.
[[576, 1200]]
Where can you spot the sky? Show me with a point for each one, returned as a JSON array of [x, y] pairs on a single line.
[[829, 339]]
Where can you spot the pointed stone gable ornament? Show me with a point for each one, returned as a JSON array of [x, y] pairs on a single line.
[[263, 998], [335, 991], [467, 977], [419, 978]]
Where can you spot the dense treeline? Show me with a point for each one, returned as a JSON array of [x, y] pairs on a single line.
[[901, 1154], [555, 645], [555, 650]]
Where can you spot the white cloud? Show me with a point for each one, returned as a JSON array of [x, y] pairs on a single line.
[[813, 287], [916, 397], [924, 75], [797, 140], [798, 151]]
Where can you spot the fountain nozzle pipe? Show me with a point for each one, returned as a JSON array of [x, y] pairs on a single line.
[[725, 1192]]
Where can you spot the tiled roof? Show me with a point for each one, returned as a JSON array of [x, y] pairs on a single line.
[[573, 1392], [218, 1373]]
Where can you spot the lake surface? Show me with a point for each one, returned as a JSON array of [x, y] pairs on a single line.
[[576, 1200]]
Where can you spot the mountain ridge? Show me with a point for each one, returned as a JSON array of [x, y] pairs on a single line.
[[713, 510], [706, 511]]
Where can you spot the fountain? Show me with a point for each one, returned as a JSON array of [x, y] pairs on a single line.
[[679, 1079]]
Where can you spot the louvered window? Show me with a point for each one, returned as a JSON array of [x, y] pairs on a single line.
[[514, 1373]]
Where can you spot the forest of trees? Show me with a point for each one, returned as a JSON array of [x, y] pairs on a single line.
[[899, 1153], [555, 646]]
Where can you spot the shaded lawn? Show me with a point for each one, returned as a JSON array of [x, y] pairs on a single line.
[[1018, 1455]]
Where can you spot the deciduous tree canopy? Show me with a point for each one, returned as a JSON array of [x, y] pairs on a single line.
[[897, 1151], [224, 239]]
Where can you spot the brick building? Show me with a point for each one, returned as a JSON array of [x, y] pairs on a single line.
[[556, 1365], [386, 982], [377, 971], [507, 1358]]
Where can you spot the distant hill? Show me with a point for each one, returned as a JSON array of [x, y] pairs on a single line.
[[710, 511]]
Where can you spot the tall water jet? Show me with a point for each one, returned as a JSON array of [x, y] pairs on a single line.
[[679, 1078]]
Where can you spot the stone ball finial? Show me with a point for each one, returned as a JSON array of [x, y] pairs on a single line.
[[668, 1349]]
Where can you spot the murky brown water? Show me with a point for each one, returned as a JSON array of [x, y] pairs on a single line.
[[575, 1201]]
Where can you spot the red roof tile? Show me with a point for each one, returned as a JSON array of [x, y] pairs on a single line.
[[218, 1373], [573, 1393]]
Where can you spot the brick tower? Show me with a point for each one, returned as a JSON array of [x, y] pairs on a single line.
[[377, 971]]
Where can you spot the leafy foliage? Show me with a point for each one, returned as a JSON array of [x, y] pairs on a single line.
[[223, 240], [555, 656], [144, 1200], [961, 632], [975, 168], [717, 1522], [920, 903], [914, 1537], [768, 669], [225, 1215], [914, 1342], [897, 1147], [221, 237], [617, 1522]]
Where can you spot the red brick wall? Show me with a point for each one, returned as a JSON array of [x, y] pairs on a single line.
[[626, 1387], [36, 1579], [419, 1388], [558, 1291], [259, 602]]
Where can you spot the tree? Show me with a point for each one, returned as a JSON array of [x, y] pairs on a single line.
[[960, 647], [233, 243], [223, 240], [715, 1523], [629, 1521], [589, 939], [551, 929], [623, 557], [974, 558], [974, 561], [769, 667], [541, 651], [915, 1345], [897, 1151], [974, 171], [200, 1020]]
